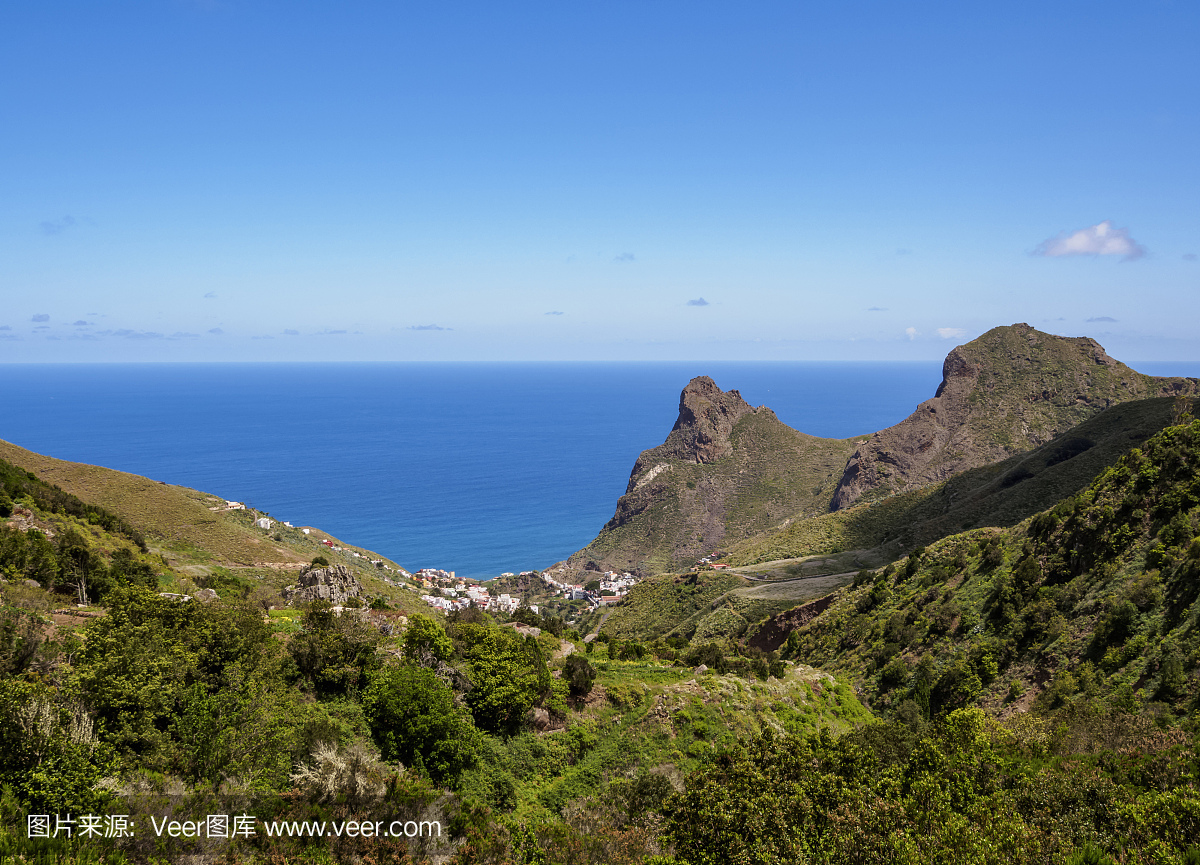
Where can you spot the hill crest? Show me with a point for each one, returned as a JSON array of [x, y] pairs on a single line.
[[1008, 391]]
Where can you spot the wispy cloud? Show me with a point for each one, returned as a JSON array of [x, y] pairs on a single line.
[[624, 258], [80, 323], [951, 332], [1099, 239], [555, 312], [127, 333], [426, 327], [877, 309], [5, 327], [698, 302], [41, 316], [58, 226], [1102, 318], [328, 332], [291, 333], [210, 295], [1190, 256], [216, 331], [911, 332]]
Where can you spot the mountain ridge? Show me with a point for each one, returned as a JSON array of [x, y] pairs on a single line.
[[728, 472], [1006, 392]]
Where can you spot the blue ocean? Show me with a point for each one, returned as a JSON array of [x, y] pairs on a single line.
[[478, 468]]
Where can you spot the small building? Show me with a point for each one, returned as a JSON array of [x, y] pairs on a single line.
[[263, 523]]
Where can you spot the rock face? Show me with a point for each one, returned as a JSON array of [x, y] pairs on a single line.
[[335, 584], [702, 430], [1009, 391], [725, 471]]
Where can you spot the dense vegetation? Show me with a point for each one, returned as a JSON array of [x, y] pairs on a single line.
[[1033, 697], [964, 789]]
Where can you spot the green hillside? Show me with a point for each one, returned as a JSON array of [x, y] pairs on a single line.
[[1094, 599], [1000, 494], [194, 541]]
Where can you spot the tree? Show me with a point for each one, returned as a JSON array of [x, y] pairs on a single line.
[[415, 721], [508, 674], [335, 652], [49, 753], [423, 634], [579, 675], [242, 729]]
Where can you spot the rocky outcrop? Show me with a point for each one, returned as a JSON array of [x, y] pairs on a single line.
[[774, 631], [1007, 392], [725, 471], [335, 584], [702, 430]]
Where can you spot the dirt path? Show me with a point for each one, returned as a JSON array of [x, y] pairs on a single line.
[[799, 589], [603, 619]]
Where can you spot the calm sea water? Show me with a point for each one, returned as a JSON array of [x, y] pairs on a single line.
[[476, 468]]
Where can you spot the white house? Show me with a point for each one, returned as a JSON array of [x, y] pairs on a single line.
[[263, 523]]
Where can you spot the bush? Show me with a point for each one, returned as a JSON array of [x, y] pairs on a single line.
[[579, 675], [894, 674], [415, 720]]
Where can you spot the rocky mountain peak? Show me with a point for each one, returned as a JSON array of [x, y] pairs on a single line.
[[706, 418], [1008, 391]]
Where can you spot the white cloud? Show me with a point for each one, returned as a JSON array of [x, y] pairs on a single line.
[[951, 332], [1100, 239], [912, 332]]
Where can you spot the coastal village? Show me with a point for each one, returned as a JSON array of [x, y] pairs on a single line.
[[445, 591], [457, 594]]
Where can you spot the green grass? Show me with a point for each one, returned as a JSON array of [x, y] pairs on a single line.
[[659, 605]]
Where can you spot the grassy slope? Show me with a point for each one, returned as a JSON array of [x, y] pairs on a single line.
[[690, 509], [198, 543], [1096, 598], [647, 716], [1001, 494]]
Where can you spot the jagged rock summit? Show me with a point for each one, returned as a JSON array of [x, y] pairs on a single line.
[[701, 433], [1007, 392], [725, 471], [335, 584], [706, 418]]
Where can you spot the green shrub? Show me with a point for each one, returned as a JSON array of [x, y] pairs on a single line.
[[579, 675]]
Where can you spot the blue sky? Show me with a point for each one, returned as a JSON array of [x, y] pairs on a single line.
[[232, 180]]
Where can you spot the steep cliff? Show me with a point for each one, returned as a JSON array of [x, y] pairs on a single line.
[[725, 472]]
